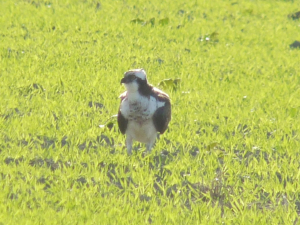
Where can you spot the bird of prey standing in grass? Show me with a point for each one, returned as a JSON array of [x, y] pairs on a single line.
[[144, 110]]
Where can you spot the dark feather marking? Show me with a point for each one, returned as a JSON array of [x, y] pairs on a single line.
[[162, 115], [145, 89], [122, 121]]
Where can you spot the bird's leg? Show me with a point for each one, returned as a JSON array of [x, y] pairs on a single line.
[[151, 143], [149, 147], [129, 144]]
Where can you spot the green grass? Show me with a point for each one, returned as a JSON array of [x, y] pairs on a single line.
[[231, 153]]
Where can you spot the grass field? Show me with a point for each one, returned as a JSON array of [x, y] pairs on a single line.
[[231, 154]]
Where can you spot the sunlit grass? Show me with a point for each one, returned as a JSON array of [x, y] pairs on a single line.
[[231, 151]]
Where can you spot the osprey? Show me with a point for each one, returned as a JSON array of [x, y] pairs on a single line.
[[144, 110]]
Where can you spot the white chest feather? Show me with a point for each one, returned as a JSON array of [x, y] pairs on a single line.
[[139, 108]]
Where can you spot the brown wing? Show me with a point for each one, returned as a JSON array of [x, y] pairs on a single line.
[[162, 115], [122, 121]]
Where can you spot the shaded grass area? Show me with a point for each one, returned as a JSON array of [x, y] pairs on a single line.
[[231, 152]]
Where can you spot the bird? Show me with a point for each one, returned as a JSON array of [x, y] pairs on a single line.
[[144, 110]]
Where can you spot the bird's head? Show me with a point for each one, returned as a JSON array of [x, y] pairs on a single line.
[[134, 79]]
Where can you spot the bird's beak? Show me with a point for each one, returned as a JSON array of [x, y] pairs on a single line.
[[124, 80]]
